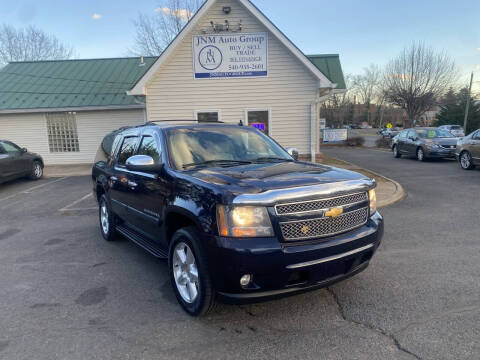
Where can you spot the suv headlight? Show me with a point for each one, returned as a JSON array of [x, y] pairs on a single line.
[[372, 197], [243, 221]]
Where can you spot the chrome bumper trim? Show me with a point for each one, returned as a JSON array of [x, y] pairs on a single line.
[[330, 258]]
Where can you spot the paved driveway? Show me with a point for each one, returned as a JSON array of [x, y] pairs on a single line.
[[67, 294]]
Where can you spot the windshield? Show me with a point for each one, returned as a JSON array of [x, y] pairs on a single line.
[[221, 146], [433, 133]]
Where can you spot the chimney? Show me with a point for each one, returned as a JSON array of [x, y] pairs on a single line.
[[142, 63]]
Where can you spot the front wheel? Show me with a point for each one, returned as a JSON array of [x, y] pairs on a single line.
[[396, 153], [107, 220], [420, 154], [37, 171], [466, 161], [189, 273]]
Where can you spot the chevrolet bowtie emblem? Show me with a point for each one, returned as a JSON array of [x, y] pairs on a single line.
[[305, 229], [334, 212]]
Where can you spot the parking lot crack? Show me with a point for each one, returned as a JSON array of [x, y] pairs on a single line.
[[380, 331]]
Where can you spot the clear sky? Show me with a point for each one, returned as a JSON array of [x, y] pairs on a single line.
[[362, 32]]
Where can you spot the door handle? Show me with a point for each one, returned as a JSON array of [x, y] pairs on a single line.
[[132, 184]]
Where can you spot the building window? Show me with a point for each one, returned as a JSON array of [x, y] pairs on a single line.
[[259, 119], [62, 132], [208, 116]]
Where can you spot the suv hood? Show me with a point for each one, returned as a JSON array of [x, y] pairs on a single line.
[[257, 178]]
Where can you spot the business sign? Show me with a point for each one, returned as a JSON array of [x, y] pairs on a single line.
[[336, 135], [230, 55], [323, 124]]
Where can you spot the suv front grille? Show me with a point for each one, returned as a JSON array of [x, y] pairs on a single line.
[[323, 227], [323, 204]]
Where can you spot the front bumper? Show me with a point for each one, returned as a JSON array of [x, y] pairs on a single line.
[[440, 153], [279, 269]]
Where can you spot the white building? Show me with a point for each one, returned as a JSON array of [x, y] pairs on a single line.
[[230, 63]]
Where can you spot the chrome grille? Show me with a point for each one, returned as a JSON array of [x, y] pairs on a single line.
[[322, 204], [322, 227]]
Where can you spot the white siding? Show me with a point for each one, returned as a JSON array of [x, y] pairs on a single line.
[[288, 90], [30, 131]]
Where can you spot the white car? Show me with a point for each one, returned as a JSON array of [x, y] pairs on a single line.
[[455, 130]]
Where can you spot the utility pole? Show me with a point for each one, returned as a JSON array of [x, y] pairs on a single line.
[[468, 104]]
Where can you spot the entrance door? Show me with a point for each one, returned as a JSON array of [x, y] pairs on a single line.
[[259, 119]]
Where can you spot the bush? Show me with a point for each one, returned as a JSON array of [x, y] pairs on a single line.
[[355, 141], [384, 143]]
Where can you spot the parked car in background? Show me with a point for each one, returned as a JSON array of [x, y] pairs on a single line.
[[468, 150], [388, 133], [424, 143], [237, 216], [455, 130], [16, 162]]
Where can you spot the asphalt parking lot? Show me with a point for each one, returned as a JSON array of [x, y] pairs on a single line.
[[67, 294]]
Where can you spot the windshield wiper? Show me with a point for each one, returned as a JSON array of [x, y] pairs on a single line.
[[271, 158], [217, 162]]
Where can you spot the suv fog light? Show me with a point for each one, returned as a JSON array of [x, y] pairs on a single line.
[[245, 280]]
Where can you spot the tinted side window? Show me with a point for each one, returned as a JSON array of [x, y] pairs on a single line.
[[10, 148], [476, 136], [149, 147], [127, 150], [2, 151]]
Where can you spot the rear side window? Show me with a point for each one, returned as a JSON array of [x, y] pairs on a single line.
[[127, 149], [2, 151], [149, 147]]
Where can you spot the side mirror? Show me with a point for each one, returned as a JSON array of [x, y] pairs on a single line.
[[24, 150], [293, 152], [143, 163]]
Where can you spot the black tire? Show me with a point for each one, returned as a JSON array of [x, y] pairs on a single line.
[[421, 154], [465, 160], [108, 231], [396, 154], [37, 171], [204, 302]]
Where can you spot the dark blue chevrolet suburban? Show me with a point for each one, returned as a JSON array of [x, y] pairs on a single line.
[[237, 216]]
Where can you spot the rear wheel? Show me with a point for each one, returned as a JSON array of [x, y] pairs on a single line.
[[189, 273], [420, 154], [107, 220], [466, 161], [37, 171], [396, 153]]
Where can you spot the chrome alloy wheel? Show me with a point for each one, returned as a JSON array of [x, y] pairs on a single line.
[[104, 218], [465, 160], [420, 154], [37, 171], [185, 272]]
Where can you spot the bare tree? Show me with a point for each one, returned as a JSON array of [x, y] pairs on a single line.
[[366, 87], [155, 32], [30, 44], [417, 78], [338, 110]]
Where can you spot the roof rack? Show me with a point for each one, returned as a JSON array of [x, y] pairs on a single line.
[[154, 122]]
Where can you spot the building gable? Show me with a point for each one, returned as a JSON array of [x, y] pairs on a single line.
[[203, 17]]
